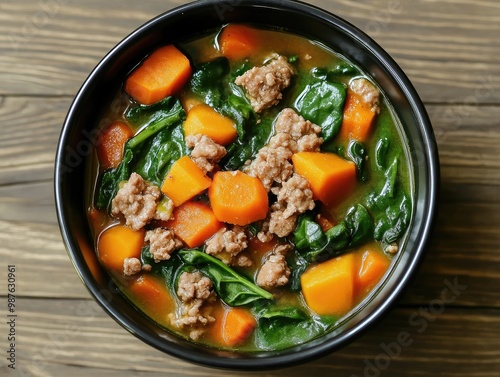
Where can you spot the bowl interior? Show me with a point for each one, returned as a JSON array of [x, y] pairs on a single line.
[[78, 137]]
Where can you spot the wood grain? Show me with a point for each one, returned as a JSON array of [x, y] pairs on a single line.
[[442, 45], [76, 338]]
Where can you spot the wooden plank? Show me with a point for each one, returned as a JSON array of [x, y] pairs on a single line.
[[46, 51], [76, 338]]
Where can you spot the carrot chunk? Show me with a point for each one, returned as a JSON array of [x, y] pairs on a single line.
[[372, 266], [117, 243], [184, 180], [161, 74], [238, 325], [111, 142], [358, 119], [194, 222], [237, 42], [152, 296], [331, 177], [202, 119], [237, 198], [328, 287]]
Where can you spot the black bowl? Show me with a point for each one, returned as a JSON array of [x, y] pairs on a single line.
[[77, 139]]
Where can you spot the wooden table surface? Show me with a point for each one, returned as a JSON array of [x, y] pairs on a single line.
[[450, 49]]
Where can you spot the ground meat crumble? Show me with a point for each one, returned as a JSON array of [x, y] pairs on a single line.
[[275, 271], [137, 200], [206, 153], [228, 244], [303, 132], [131, 266], [367, 91], [265, 84], [194, 291], [162, 242]]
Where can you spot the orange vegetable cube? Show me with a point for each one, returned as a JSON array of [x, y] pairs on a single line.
[[237, 42], [328, 287], [238, 325], [111, 143], [152, 295], [237, 198], [184, 181], [161, 74], [332, 178], [202, 119], [194, 222], [358, 119], [117, 243], [372, 266]]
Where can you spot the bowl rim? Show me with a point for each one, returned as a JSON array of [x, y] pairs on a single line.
[[284, 359]]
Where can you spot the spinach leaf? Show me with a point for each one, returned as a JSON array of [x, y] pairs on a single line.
[[159, 153], [309, 234], [357, 153], [284, 327], [381, 150], [354, 230], [156, 117], [234, 289], [323, 103], [213, 82], [391, 207], [333, 74], [298, 265], [245, 149]]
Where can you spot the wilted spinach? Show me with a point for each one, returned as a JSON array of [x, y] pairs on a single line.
[[213, 82], [381, 150], [281, 328], [391, 207], [157, 118], [233, 288], [357, 153], [322, 103], [315, 245]]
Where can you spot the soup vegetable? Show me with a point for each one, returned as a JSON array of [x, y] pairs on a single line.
[[251, 189]]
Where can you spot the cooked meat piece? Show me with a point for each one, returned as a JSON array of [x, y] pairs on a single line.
[[206, 153], [279, 224], [162, 242], [367, 91], [271, 165], [194, 291], [137, 201], [164, 209], [264, 235], [131, 266], [392, 248], [302, 131], [227, 244], [264, 84], [296, 196], [274, 272]]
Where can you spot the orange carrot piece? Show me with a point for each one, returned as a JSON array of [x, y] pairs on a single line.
[[237, 198], [161, 74], [331, 177], [238, 325], [237, 42], [358, 119], [194, 222], [111, 142], [372, 266], [184, 181], [152, 296], [328, 287], [202, 119], [117, 243]]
